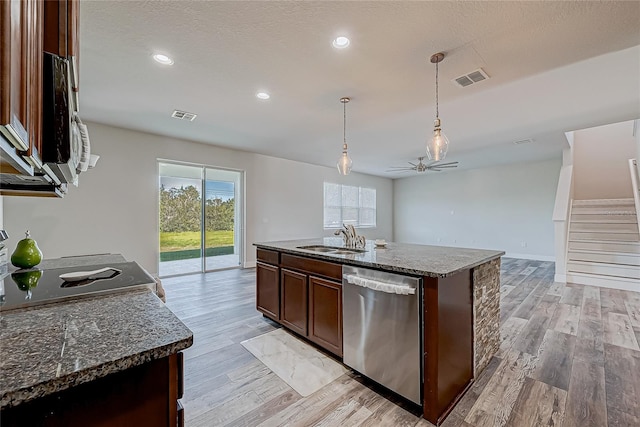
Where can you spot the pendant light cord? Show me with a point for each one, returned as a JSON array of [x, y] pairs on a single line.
[[437, 112], [344, 123]]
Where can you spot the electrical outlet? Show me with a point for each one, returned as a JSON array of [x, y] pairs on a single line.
[[439, 240], [523, 244]]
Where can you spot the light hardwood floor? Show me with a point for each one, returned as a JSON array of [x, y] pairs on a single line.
[[569, 357]]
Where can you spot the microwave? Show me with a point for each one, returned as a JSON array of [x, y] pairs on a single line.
[[61, 141]]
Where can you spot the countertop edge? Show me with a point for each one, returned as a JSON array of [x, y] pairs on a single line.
[[43, 389], [395, 269]]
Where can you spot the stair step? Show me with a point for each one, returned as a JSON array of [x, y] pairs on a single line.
[[604, 246], [604, 202], [601, 227], [608, 236], [624, 284], [605, 269], [618, 258], [603, 210], [610, 219]]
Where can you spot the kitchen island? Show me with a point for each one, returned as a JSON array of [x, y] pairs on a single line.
[[300, 285], [112, 359]]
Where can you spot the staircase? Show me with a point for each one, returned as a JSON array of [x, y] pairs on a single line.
[[604, 244]]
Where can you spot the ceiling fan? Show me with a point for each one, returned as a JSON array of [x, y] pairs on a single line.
[[422, 167]]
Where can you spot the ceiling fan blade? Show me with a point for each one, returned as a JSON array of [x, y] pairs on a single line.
[[400, 169], [453, 164], [442, 167], [412, 164]]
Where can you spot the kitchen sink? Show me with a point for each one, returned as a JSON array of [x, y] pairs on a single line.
[[348, 251], [318, 248], [332, 250]]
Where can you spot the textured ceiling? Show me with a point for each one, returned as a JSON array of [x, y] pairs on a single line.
[[554, 67]]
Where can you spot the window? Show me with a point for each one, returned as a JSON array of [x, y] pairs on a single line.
[[345, 204]]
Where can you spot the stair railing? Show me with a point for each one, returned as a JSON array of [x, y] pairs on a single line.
[[635, 183]]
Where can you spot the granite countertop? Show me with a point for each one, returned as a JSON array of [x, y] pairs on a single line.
[[420, 260], [53, 347]]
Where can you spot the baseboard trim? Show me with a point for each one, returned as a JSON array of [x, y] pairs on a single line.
[[604, 282], [531, 257], [560, 278], [249, 264]]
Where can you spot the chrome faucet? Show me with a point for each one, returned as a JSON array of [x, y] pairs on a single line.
[[350, 237]]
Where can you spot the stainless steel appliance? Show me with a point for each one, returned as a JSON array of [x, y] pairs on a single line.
[[382, 319], [26, 288], [61, 144]]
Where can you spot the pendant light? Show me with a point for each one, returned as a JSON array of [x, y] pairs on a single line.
[[438, 145], [345, 162]]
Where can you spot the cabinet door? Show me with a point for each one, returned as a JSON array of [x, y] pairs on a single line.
[[34, 33], [14, 78], [268, 290], [325, 314], [293, 301]]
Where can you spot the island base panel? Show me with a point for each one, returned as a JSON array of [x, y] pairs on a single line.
[[448, 342], [145, 395]]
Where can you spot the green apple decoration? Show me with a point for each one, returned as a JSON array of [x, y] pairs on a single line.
[[27, 253], [26, 280]]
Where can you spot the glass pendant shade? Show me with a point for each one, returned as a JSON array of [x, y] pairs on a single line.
[[438, 145], [345, 162]]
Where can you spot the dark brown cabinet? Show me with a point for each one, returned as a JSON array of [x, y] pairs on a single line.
[[303, 294], [268, 290], [28, 29], [21, 39], [293, 301], [325, 314], [145, 395]]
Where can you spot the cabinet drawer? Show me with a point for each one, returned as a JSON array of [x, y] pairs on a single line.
[[270, 257], [314, 266]]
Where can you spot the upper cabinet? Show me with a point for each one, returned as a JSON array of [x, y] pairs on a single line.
[[29, 28], [21, 84]]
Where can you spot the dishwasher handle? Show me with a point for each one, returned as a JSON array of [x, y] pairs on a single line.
[[376, 285]]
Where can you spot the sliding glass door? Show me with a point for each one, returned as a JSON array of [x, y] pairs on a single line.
[[221, 219], [200, 221]]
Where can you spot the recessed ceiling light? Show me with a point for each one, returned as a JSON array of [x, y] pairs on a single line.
[[341, 42], [162, 59], [263, 95]]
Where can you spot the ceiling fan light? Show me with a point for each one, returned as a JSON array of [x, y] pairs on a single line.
[[437, 146], [345, 163]]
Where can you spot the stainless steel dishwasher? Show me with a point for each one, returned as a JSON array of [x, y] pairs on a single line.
[[382, 318]]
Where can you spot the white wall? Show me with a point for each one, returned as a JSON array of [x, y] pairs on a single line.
[[601, 161], [115, 208], [637, 136], [494, 208]]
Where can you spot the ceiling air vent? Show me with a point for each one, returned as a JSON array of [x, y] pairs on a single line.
[[183, 115], [523, 141], [471, 78]]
